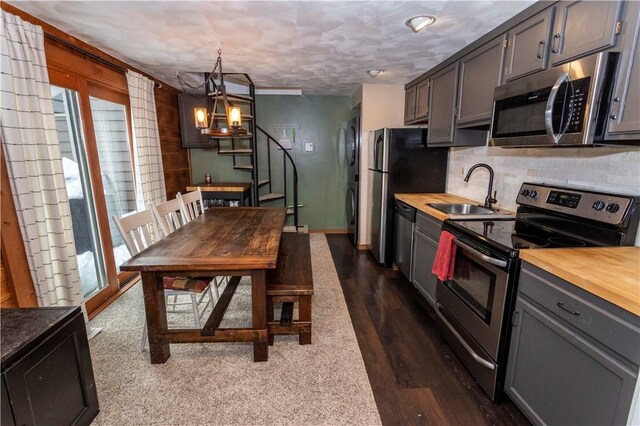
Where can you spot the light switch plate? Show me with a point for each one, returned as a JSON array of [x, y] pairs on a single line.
[[308, 147]]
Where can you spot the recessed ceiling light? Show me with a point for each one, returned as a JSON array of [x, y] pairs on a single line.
[[419, 22], [374, 73]]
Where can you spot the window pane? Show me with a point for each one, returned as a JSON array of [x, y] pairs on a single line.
[[112, 139], [93, 275]]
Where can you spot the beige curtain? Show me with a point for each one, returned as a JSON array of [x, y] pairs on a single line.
[[34, 164], [150, 187]]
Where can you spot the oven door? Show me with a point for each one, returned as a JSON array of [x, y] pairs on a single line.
[[476, 295]]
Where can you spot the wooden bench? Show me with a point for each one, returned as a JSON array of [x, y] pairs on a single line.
[[291, 282]]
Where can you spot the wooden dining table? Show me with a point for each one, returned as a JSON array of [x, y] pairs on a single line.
[[232, 241]]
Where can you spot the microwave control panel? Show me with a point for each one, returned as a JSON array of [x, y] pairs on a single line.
[[578, 104], [601, 207]]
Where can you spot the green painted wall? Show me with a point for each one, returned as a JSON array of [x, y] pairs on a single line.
[[322, 173]]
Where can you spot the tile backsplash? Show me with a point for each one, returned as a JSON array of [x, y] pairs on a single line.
[[614, 170]]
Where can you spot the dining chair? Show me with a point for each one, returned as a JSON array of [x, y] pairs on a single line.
[[138, 232], [189, 203], [168, 215]]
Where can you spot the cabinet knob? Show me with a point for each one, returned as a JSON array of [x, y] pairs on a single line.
[[616, 99], [613, 117]]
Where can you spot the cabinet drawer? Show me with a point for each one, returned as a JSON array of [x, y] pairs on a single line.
[[606, 328], [428, 225]]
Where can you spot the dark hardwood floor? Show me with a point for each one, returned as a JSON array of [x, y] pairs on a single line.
[[415, 377]]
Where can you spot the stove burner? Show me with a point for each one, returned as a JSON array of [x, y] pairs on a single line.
[[566, 242], [527, 241]]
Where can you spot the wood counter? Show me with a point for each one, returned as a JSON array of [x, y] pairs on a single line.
[[611, 273], [420, 201]]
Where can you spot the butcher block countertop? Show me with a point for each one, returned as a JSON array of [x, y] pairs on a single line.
[[420, 201], [611, 273]]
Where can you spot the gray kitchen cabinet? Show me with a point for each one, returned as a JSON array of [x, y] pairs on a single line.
[[527, 50], [425, 245], [410, 104], [416, 103], [442, 105], [624, 112], [480, 73], [573, 358], [583, 27]]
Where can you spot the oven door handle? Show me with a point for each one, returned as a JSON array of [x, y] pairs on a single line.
[[490, 365], [492, 260]]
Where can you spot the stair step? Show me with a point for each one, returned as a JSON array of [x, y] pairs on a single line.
[[290, 212], [223, 116], [247, 167], [237, 97], [247, 136], [237, 151], [262, 182], [270, 197]]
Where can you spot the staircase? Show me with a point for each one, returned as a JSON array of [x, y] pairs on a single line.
[[247, 150]]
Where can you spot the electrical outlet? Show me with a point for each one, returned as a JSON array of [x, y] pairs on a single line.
[[308, 147]]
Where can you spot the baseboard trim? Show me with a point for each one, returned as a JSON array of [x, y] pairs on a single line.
[[363, 247], [328, 231]]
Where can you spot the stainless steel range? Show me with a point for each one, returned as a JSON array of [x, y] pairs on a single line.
[[475, 305]]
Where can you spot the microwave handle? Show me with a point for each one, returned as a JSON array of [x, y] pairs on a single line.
[[548, 111]]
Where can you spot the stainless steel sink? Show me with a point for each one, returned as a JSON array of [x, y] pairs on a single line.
[[461, 209]]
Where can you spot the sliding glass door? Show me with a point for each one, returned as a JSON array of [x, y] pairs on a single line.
[[93, 126]]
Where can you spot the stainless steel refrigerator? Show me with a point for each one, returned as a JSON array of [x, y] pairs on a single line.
[[401, 163]]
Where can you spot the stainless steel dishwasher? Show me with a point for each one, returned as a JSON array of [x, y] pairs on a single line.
[[405, 218]]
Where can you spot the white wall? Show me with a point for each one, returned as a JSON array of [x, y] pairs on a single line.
[[380, 106], [604, 169]]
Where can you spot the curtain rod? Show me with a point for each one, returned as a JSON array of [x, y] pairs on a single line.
[[91, 55]]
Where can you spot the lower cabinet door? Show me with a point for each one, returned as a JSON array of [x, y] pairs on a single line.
[[557, 377], [424, 253]]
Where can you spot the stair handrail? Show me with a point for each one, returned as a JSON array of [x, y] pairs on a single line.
[[295, 174]]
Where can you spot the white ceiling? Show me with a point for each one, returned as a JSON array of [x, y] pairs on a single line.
[[323, 47]]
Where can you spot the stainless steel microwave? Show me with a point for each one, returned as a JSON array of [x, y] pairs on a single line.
[[556, 107]]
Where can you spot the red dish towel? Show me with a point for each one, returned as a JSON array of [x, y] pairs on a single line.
[[445, 257]]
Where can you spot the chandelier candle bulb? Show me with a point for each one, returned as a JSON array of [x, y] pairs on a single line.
[[201, 118], [235, 116]]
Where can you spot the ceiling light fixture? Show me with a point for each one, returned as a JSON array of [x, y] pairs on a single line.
[[207, 119], [419, 22], [374, 73]]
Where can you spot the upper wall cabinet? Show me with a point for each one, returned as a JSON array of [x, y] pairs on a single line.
[[480, 73], [442, 106], [416, 103], [409, 104], [583, 27], [527, 45], [624, 112]]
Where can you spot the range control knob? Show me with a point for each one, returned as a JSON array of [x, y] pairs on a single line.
[[613, 207], [525, 192], [598, 205], [533, 193]]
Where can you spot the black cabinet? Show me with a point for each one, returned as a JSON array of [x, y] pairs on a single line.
[[47, 377], [573, 358], [191, 136]]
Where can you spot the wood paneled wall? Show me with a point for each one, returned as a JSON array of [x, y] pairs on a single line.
[[176, 160], [6, 296]]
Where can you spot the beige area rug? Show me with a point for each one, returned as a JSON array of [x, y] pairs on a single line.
[[219, 384]]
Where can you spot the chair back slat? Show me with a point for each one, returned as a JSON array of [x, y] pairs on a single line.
[[137, 230], [189, 203], [168, 215]]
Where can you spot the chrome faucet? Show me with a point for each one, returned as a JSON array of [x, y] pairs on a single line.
[[489, 200]]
